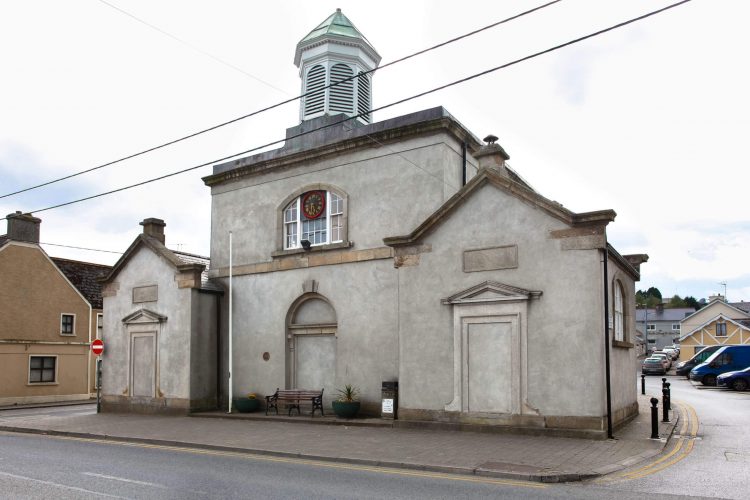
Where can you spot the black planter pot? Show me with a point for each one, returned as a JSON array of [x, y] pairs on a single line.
[[345, 409]]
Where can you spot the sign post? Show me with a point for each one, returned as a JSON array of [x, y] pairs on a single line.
[[97, 347]]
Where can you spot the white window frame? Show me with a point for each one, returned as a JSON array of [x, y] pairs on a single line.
[[99, 325], [73, 327], [723, 326], [57, 368], [296, 221], [675, 327], [619, 313], [650, 327]]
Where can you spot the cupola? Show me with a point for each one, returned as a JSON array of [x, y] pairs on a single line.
[[334, 51]]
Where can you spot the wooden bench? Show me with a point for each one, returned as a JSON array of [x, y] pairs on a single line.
[[293, 397]]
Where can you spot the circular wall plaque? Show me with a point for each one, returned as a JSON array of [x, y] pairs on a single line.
[[266, 356]]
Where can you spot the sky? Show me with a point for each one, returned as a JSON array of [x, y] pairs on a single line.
[[648, 120]]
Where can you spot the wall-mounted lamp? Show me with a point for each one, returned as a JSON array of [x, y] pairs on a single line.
[[305, 244]]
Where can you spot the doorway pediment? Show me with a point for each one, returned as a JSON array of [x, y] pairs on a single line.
[[143, 316], [491, 291]]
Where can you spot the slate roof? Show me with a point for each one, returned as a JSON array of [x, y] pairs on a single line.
[[83, 276], [675, 314], [742, 306], [190, 258]]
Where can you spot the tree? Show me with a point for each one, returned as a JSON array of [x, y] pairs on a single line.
[[691, 301], [676, 301], [649, 298]]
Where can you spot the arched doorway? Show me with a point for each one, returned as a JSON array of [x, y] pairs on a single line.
[[311, 344]]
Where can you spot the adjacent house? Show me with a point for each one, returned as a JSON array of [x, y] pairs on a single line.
[[662, 324], [161, 327], [403, 250], [716, 323], [51, 310]]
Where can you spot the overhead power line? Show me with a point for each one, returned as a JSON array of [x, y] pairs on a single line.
[[395, 103], [273, 106]]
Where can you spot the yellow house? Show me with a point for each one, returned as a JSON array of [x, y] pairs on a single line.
[[48, 321], [718, 323]]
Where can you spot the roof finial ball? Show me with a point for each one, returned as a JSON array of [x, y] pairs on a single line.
[[490, 140]]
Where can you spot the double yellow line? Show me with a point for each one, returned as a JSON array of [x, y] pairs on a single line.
[[682, 449]]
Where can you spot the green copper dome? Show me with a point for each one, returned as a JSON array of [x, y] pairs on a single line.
[[336, 26]]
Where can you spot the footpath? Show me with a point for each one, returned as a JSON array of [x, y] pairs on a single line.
[[371, 442]]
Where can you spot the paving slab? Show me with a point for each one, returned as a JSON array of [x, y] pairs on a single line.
[[378, 442]]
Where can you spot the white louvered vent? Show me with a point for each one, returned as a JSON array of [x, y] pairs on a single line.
[[316, 81], [341, 96], [363, 97]]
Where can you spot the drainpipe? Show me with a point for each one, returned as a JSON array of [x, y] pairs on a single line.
[[606, 341], [463, 163]]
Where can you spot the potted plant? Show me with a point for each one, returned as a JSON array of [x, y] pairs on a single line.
[[246, 405], [347, 404]]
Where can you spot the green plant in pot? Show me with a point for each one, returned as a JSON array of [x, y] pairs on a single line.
[[248, 404], [347, 404]]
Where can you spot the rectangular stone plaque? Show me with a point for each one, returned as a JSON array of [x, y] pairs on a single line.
[[490, 259], [145, 294]]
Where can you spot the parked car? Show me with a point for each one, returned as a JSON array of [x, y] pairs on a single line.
[[739, 380], [653, 365], [665, 357], [727, 359], [672, 353], [684, 367]]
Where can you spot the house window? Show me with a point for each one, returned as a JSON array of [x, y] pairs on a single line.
[[314, 216], [721, 329], [619, 316], [99, 325], [651, 327], [675, 326], [42, 369], [67, 324]]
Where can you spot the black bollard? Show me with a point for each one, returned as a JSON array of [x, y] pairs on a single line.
[[654, 419], [665, 410], [643, 384], [663, 382], [669, 396]]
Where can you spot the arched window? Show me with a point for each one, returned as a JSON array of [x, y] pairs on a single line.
[[619, 313], [315, 216]]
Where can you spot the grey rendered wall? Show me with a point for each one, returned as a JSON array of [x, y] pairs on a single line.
[[387, 195], [145, 269], [363, 296], [203, 350], [564, 354], [622, 357]]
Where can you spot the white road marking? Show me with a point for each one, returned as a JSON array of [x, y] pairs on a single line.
[[125, 480], [65, 486]]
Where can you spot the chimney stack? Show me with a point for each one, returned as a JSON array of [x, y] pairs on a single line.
[[23, 227], [154, 228], [492, 155]]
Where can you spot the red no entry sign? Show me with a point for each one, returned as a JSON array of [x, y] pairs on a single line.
[[97, 347]]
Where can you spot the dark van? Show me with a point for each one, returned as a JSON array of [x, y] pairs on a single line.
[[727, 359], [684, 367]]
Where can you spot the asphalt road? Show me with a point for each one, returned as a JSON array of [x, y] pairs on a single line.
[[718, 462], [42, 467]]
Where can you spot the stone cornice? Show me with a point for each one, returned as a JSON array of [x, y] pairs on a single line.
[[490, 176]]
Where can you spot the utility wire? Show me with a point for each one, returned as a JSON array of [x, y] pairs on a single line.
[[395, 103], [273, 106], [197, 49]]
